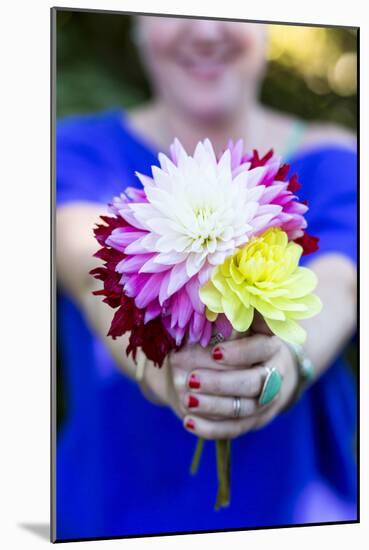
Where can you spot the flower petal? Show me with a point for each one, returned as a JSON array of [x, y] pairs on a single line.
[[211, 297], [288, 330]]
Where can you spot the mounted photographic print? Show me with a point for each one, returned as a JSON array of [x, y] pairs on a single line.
[[204, 370]]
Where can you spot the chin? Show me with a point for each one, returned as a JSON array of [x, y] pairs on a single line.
[[210, 111]]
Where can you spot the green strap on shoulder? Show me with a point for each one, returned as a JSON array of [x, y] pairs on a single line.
[[294, 139]]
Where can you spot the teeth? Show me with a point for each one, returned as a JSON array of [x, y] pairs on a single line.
[[205, 65], [205, 62]]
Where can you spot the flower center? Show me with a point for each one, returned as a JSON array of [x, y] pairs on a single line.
[[205, 232], [202, 213]]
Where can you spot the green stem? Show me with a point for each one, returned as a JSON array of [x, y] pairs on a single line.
[[197, 456], [223, 454]]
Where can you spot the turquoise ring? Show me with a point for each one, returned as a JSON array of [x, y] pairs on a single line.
[[271, 387]]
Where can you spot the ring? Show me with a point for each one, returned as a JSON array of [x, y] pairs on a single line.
[[271, 387], [216, 339], [236, 407]]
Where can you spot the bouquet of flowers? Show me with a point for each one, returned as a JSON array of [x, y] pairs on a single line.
[[203, 245]]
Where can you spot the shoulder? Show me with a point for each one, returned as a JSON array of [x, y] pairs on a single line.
[[90, 143], [321, 134], [95, 158], [326, 165], [86, 128], [327, 148], [306, 136], [86, 146]]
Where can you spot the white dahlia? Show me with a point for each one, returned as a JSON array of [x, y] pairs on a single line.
[[197, 213]]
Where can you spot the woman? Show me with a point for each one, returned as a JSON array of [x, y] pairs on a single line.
[[123, 459]]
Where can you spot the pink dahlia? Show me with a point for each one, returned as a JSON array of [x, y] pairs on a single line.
[[279, 189]]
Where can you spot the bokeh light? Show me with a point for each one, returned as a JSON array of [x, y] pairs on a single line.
[[318, 55], [343, 77]]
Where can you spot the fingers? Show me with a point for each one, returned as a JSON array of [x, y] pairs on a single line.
[[229, 428], [194, 371], [193, 357], [246, 352], [215, 406], [219, 429], [268, 414], [178, 381], [240, 353], [227, 383], [209, 428]]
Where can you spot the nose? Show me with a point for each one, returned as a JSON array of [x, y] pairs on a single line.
[[207, 32]]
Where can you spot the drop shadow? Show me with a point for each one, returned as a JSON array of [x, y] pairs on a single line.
[[42, 530]]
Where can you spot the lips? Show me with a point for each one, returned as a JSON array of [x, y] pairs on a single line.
[[207, 67], [206, 71]]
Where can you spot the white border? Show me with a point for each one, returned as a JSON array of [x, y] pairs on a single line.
[[24, 401]]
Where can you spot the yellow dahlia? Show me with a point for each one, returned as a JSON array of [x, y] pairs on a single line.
[[264, 275]]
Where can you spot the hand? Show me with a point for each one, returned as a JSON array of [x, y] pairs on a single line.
[[209, 393], [168, 385], [199, 385]]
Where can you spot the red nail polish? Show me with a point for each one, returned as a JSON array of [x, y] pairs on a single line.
[[190, 424], [217, 354], [194, 382], [192, 401]]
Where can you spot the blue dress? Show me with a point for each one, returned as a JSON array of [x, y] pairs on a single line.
[[123, 462]]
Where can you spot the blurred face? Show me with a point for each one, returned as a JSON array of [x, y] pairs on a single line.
[[206, 69]]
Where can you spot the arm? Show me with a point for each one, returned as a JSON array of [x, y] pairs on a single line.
[[75, 246], [328, 332], [332, 328]]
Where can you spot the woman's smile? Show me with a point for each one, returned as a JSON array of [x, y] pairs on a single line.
[[207, 66]]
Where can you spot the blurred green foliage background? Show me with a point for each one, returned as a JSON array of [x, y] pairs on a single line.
[[311, 71]]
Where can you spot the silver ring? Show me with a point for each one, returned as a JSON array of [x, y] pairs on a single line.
[[236, 407], [217, 338]]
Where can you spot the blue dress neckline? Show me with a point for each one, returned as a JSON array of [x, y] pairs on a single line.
[[120, 117]]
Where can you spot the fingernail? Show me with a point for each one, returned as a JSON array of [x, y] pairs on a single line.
[[217, 353], [194, 382], [190, 424], [192, 401]]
